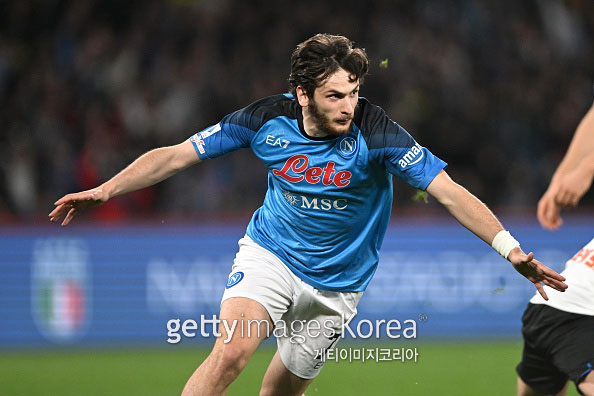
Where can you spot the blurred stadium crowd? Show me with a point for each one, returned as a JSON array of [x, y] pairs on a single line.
[[495, 88]]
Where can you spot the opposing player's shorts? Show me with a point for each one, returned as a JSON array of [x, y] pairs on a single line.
[[558, 346], [308, 322]]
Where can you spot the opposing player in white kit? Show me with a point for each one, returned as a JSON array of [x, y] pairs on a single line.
[[559, 333], [312, 248]]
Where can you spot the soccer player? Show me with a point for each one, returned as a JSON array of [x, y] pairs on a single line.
[[312, 247], [559, 333]]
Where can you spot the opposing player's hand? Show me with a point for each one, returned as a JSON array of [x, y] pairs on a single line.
[[564, 191], [72, 204], [548, 212], [536, 272], [572, 187]]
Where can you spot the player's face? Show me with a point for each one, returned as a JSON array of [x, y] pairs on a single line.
[[332, 107]]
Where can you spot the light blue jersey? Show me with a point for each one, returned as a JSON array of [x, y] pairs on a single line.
[[329, 200]]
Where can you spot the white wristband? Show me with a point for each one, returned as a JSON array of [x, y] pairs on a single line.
[[503, 243]]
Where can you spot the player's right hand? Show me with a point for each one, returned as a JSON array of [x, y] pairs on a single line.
[[71, 204]]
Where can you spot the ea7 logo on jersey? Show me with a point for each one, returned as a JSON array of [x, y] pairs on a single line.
[[274, 141], [299, 164], [412, 156]]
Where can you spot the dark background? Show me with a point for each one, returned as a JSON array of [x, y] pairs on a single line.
[[495, 88]]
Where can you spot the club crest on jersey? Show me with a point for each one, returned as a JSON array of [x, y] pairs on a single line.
[[234, 279], [347, 147], [412, 156], [297, 169]]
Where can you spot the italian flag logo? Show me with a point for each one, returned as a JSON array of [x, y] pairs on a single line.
[[60, 288], [63, 305]]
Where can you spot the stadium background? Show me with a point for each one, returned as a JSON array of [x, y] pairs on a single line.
[[495, 88]]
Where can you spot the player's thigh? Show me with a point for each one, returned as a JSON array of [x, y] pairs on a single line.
[[558, 346], [279, 381], [259, 275], [244, 324], [574, 350], [538, 374], [312, 327]]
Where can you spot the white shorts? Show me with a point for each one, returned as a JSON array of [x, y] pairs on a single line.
[[308, 322]]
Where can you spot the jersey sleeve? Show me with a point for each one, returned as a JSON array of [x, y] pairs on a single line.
[[397, 150], [235, 131]]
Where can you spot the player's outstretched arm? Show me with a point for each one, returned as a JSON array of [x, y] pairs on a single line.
[[573, 176], [148, 169], [474, 215]]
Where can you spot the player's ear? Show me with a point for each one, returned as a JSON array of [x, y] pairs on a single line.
[[302, 97]]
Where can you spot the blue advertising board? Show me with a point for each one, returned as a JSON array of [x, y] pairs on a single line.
[[83, 286]]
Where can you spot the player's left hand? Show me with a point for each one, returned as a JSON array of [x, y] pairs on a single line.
[[536, 272]]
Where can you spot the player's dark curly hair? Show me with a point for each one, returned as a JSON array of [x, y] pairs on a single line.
[[318, 57]]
